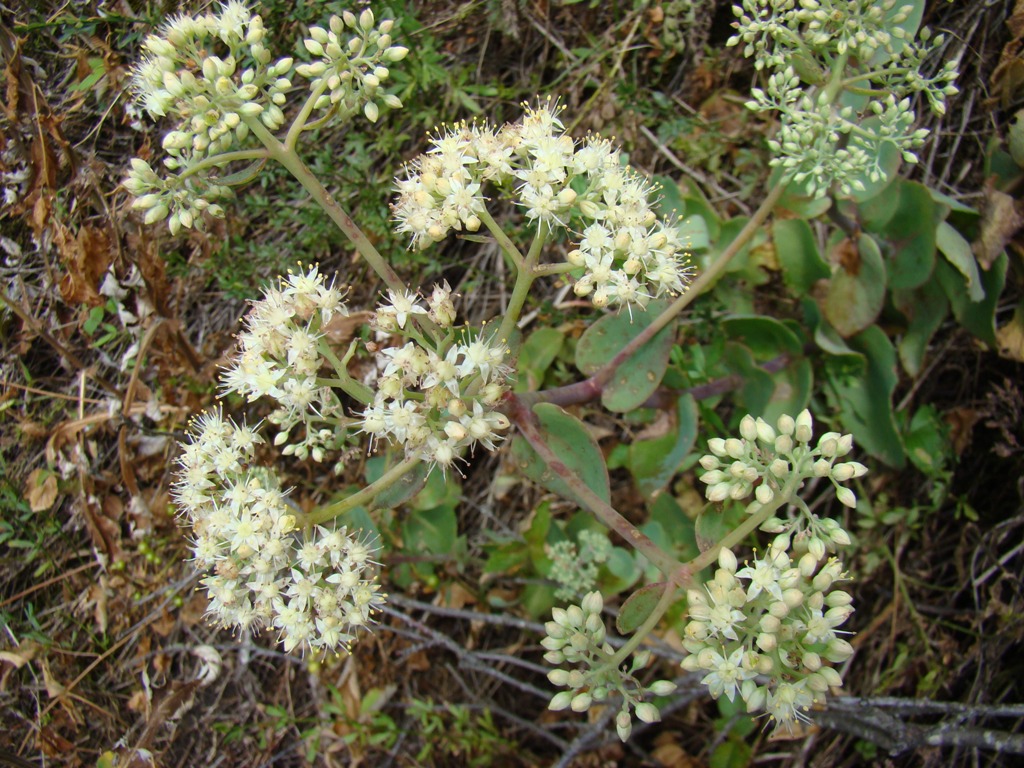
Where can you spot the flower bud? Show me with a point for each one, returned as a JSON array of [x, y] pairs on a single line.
[[765, 433], [803, 427], [838, 650], [581, 702], [846, 497], [838, 599], [561, 700], [793, 598], [748, 428], [662, 687], [647, 712], [558, 677], [735, 448], [717, 446], [727, 560], [785, 424], [783, 444], [623, 725]]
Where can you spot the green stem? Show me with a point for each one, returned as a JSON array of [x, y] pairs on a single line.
[[346, 383], [216, 161], [367, 494], [605, 374], [290, 160], [509, 248], [291, 140], [553, 269], [835, 83], [521, 290], [869, 76], [664, 603]]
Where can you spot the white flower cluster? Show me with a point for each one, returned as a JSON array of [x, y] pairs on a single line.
[[628, 254], [577, 635], [352, 70], [280, 356], [768, 631], [764, 460], [316, 587], [435, 403], [574, 568], [832, 43], [210, 73]]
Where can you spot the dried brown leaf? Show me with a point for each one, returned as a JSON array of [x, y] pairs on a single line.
[[1001, 220], [41, 490], [86, 258]]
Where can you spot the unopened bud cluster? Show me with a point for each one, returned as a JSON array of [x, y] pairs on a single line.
[[768, 631], [351, 64], [317, 587], [577, 635], [575, 568], [772, 463], [832, 42], [280, 356], [437, 399], [626, 252]]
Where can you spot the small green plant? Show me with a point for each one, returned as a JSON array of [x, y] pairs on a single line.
[[457, 732]]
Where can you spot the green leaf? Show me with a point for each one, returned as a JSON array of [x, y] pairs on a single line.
[[538, 600], [693, 233], [978, 317], [796, 199], [431, 531], [638, 606], [407, 486], [927, 441], [767, 338], [731, 753], [757, 386], [678, 527], [620, 571], [243, 176], [439, 489], [957, 251], [654, 462], [358, 519], [1015, 138], [856, 291], [638, 378], [911, 236], [578, 452], [797, 252], [925, 308], [714, 523], [536, 355], [506, 558], [865, 401]]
